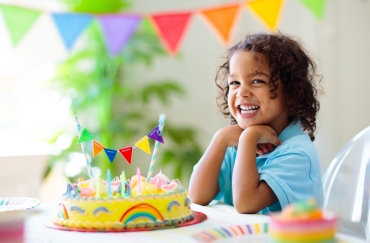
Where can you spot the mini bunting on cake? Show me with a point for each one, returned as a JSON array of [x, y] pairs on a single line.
[[85, 136], [97, 148], [126, 153], [111, 154], [143, 144], [156, 135]]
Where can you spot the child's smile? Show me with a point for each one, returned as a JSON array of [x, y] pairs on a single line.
[[249, 97]]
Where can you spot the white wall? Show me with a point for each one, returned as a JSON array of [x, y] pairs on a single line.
[[340, 43]]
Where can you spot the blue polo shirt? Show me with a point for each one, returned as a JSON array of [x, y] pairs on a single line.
[[292, 170]]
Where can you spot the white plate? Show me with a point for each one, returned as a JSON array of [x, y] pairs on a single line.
[[17, 203]]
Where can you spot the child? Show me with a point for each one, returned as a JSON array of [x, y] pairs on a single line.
[[265, 159]]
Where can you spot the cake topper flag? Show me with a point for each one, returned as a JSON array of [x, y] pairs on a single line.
[[156, 135], [161, 119], [111, 153], [88, 166], [126, 153], [143, 144], [222, 20], [268, 11], [97, 148], [85, 136]]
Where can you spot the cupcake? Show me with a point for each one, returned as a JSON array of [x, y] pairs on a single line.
[[302, 222]]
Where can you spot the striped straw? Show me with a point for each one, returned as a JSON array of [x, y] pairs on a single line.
[[162, 117], [89, 171]]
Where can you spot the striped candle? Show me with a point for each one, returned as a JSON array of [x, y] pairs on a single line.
[[162, 117], [88, 166]]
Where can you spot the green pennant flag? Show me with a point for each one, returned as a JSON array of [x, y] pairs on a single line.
[[18, 20], [85, 136], [315, 6]]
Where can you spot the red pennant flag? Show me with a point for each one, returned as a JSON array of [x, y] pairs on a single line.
[[222, 20], [97, 148], [126, 153], [171, 28]]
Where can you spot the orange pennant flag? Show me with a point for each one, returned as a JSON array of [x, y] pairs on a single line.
[[267, 11], [143, 144], [222, 20], [171, 28], [126, 153], [97, 148]]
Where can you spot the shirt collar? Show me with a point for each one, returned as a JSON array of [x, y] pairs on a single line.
[[293, 129]]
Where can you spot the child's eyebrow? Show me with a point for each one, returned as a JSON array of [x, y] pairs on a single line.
[[251, 75]]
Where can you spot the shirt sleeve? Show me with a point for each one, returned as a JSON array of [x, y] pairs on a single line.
[[225, 177], [288, 175]]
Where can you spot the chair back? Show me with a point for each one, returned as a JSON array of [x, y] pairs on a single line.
[[346, 185]]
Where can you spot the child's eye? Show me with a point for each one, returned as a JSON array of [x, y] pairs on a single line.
[[258, 81], [234, 83]]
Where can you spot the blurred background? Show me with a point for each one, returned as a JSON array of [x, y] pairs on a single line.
[[118, 65]]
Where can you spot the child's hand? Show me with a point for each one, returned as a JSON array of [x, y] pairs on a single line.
[[264, 148], [265, 137]]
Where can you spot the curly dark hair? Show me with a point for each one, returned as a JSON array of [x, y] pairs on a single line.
[[289, 63]]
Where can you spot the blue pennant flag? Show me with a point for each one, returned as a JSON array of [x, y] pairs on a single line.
[[111, 153], [71, 25]]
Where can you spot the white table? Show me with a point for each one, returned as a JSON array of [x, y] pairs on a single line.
[[219, 216]]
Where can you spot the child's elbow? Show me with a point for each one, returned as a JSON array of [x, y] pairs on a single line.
[[198, 199], [245, 208]]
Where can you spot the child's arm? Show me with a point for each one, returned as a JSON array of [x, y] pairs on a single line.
[[251, 195], [204, 180]]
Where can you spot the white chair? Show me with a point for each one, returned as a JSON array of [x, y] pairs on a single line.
[[347, 186]]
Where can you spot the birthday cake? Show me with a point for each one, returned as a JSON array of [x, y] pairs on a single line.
[[124, 204], [120, 204], [302, 222]]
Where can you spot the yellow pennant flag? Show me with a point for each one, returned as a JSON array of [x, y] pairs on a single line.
[[143, 144], [267, 11], [222, 20]]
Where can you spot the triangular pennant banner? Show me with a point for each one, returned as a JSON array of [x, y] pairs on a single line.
[[315, 6], [18, 21], [143, 144], [126, 153], [223, 20], [111, 154], [97, 148], [171, 28], [268, 11], [117, 30], [71, 25], [155, 134], [85, 136]]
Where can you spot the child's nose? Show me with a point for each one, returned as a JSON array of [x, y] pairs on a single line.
[[243, 91]]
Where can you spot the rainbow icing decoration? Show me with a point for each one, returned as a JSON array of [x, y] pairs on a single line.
[[62, 211], [98, 211], [78, 210], [141, 211], [172, 204]]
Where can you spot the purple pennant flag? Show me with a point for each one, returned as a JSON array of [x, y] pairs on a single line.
[[156, 135], [117, 30]]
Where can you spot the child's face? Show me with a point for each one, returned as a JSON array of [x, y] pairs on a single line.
[[249, 99]]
